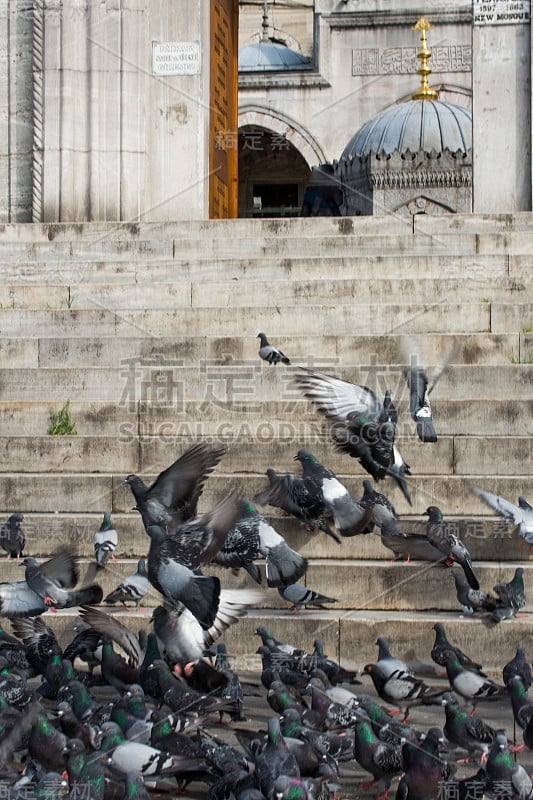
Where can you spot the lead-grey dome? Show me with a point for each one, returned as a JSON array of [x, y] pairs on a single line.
[[262, 56], [427, 125]]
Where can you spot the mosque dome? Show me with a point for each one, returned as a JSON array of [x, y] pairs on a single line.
[[266, 55], [430, 126]]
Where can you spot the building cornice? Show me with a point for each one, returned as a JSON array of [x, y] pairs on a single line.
[[373, 19]]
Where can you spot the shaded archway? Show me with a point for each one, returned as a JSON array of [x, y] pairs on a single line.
[[273, 174]]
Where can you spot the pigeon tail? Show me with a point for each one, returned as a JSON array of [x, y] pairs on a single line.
[[469, 573], [399, 473], [284, 565], [202, 598], [88, 596]]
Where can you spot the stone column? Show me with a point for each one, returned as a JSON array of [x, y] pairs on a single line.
[[124, 91], [501, 71]]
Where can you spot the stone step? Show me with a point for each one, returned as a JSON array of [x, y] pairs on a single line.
[[488, 538], [348, 636], [174, 386], [355, 584], [318, 352], [94, 492], [358, 319], [295, 421], [472, 268], [317, 226], [287, 291], [459, 455]]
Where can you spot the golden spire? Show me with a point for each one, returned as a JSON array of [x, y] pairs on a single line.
[[424, 91]]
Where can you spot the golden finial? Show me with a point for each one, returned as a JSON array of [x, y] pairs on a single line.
[[424, 91]]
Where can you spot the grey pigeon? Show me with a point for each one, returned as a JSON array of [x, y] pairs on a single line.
[[521, 515], [443, 538], [269, 353], [472, 601], [299, 595], [252, 536], [105, 541], [133, 587], [380, 507], [173, 497], [400, 689], [12, 538], [361, 425], [409, 545], [274, 759], [473, 686], [46, 585], [387, 663]]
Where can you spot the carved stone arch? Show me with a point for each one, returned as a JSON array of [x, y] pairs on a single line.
[[297, 135]]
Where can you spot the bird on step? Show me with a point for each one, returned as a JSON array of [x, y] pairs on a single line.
[[133, 587], [105, 541], [299, 595], [269, 353], [12, 538], [361, 425], [511, 598], [443, 538]]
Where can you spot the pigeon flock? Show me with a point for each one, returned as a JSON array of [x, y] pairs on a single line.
[[116, 714]]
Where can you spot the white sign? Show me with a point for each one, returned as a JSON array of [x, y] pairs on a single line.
[[175, 58], [501, 12]]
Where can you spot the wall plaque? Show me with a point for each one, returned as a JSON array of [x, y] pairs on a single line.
[[175, 58], [501, 12]]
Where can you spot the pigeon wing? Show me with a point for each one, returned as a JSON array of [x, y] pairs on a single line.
[[111, 627], [337, 399], [18, 600]]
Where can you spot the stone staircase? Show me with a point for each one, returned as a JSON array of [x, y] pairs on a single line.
[[149, 331]]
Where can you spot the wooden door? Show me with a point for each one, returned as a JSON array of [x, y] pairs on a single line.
[[223, 133]]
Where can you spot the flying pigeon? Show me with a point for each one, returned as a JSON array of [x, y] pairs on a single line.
[[251, 537], [267, 352], [105, 541], [133, 587], [173, 497], [449, 544], [47, 585], [420, 387], [520, 515], [361, 425], [299, 595], [12, 538]]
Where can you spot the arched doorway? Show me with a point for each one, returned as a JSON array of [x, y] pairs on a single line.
[[272, 174]]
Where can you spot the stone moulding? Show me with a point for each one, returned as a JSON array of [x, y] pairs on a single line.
[[38, 141]]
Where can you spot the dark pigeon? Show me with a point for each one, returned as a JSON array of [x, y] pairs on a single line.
[[519, 665], [511, 598], [269, 353], [501, 770], [426, 771], [380, 507], [382, 759], [173, 497], [466, 731], [12, 538], [361, 425], [441, 646], [472, 601]]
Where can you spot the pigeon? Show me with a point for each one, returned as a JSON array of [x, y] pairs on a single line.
[[348, 516], [85, 772], [269, 353], [511, 598], [520, 702], [426, 772], [171, 560], [502, 771], [519, 665], [378, 504], [382, 759], [420, 387], [402, 689], [361, 425], [298, 497], [46, 744], [46, 586], [173, 497], [449, 544], [409, 545], [521, 515], [472, 601], [105, 541], [465, 731], [299, 595], [251, 537], [442, 646], [471, 685], [334, 672], [133, 587], [12, 538], [274, 759]]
